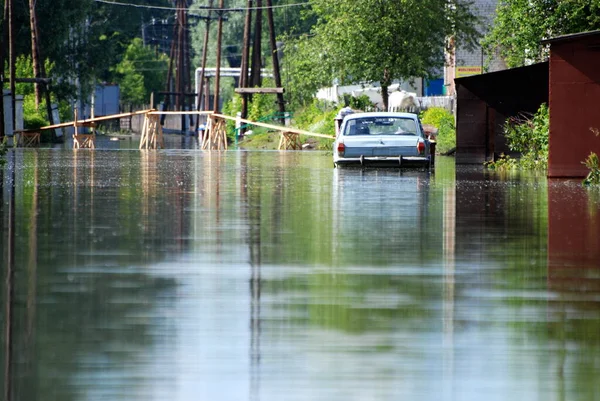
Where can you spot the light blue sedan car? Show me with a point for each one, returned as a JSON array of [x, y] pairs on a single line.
[[382, 139]]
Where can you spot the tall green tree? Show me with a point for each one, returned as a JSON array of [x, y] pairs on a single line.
[[378, 41], [83, 39], [140, 73], [520, 25]]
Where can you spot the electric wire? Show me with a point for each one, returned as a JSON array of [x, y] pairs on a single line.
[[202, 8]]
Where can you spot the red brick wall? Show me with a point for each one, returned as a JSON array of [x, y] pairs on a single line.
[[574, 105]]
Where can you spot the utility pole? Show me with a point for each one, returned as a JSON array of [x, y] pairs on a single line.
[[245, 60], [218, 66], [167, 100], [179, 62], [275, 57], [34, 53], [12, 57], [200, 89], [39, 69], [255, 78], [2, 62]]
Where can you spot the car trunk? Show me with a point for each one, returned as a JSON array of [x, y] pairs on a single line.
[[381, 146]]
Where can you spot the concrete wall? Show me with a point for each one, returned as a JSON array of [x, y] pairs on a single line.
[[574, 99]]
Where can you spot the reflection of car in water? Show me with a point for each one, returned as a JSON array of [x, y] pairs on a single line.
[[382, 139], [383, 217]]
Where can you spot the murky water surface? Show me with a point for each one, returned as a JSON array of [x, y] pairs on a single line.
[[185, 275]]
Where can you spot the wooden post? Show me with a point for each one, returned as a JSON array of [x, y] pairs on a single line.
[[82, 140], [289, 141], [215, 137], [152, 133]]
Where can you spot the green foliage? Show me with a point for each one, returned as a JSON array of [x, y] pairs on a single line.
[[317, 117], [593, 163], [362, 102], [260, 108], [140, 73], [503, 163], [3, 151], [443, 120], [527, 135], [376, 41], [520, 25]]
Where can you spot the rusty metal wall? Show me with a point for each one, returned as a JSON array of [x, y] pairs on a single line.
[[574, 104], [471, 127], [485, 101]]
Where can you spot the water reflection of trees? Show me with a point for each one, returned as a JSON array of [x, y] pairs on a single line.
[[78, 307]]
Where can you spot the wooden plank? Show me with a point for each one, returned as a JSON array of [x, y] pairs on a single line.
[[95, 119], [259, 90], [178, 113], [275, 127]]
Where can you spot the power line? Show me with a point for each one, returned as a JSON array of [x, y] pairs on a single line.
[[203, 8]]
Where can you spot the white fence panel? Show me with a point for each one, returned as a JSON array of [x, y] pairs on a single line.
[[446, 102]]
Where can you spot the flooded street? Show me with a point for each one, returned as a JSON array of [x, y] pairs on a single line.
[[271, 276]]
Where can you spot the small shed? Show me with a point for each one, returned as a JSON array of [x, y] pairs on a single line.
[[574, 99], [485, 101]]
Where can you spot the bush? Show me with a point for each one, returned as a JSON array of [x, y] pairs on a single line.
[[593, 163], [362, 102], [3, 150], [34, 121], [527, 135], [443, 120]]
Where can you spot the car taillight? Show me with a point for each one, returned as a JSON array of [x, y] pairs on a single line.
[[421, 147], [341, 148]]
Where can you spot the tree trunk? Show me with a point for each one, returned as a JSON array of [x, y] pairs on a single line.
[[385, 84], [384, 96]]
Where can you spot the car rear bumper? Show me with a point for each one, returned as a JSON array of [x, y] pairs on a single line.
[[402, 161]]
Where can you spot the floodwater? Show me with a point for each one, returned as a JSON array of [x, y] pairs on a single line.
[[188, 275]]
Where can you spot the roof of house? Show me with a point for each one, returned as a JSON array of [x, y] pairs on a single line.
[[570, 37]]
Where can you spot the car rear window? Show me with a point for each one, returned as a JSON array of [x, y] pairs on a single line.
[[381, 126]]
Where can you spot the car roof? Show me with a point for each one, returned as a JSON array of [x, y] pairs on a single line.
[[380, 114]]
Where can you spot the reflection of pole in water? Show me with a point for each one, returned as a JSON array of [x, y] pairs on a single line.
[[449, 231], [32, 269], [254, 328], [9, 282], [253, 218]]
